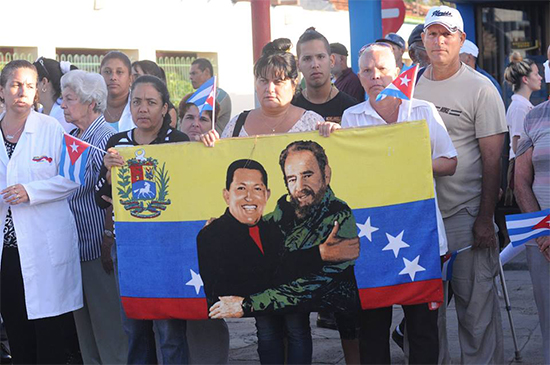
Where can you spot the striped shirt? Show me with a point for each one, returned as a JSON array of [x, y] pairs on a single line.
[[90, 219], [536, 134]]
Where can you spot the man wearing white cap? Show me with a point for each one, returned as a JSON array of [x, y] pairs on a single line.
[[468, 55], [473, 113]]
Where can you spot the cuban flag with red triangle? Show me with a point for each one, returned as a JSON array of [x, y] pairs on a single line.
[[525, 227], [205, 96], [74, 156], [403, 86]]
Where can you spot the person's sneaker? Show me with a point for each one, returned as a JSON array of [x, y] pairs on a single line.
[[397, 338]]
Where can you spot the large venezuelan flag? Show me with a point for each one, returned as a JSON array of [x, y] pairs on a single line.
[[166, 193]]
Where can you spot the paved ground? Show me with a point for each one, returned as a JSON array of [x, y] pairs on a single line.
[[327, 348]]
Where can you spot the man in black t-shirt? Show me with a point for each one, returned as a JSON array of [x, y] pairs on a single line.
[[315, 62]]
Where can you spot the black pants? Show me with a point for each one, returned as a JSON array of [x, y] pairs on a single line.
[[39, 341], [422, 334]]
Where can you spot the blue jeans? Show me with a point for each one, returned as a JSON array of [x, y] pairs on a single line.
[[142, 348], [141, 340], [271, 331]]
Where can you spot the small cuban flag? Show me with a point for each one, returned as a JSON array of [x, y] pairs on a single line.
[[205, 96], [403, 86], [448, 262], [74, 156], [525, 227]]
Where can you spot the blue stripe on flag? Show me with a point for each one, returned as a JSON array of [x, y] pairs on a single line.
[[71, 172], [519, 217], [392, 92], [62, 171], [540, 233], [164, 254], [83, 163], [377, 267]]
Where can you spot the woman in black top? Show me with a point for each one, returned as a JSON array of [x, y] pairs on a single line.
[[149, 107]]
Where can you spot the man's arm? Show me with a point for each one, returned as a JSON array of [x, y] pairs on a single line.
[[523, 182], [484, 231], [444, 166]]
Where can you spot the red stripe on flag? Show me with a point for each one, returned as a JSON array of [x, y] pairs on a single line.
[[405, 294], [165, 308]]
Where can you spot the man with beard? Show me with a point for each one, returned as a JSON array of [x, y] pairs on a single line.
[[308, 216], [240, 251]]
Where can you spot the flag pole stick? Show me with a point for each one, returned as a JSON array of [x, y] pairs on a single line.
[[214, 104], [517, 353], [412, 92], [94, 147]]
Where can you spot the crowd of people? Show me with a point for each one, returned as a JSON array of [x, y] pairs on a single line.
[[59, 274]]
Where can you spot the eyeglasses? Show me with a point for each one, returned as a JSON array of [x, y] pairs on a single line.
[[40, 61], [366, 46]]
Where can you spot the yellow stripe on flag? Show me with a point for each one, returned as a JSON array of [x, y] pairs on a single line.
[[373, 166]]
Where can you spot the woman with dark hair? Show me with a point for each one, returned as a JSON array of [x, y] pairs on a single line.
[[116, 70], [49, 88], [40, 269], [149, 106], [276, 76], [146, 67], [192, 122]]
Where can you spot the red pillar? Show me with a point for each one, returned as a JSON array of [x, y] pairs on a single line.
[[261, 25]]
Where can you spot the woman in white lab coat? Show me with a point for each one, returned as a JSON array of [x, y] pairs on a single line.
[[40, 267]]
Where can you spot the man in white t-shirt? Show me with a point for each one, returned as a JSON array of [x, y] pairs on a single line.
[[473, 113], [377, 69]]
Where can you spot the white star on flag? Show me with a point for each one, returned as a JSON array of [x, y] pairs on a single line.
[[395, 243], [195, 281], [405, 80], [366, 229], [74, 147], [411, 267]]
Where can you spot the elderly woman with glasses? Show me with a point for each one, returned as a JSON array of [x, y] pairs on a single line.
[[100, 334]]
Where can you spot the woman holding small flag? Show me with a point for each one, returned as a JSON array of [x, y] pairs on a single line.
[[149, 99], [98, 323], [40, 269]]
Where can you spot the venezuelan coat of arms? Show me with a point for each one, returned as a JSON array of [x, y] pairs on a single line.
[[143, 186]]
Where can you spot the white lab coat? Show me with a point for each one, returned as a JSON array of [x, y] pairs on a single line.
[[45, 227]]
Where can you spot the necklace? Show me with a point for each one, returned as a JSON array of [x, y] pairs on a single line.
[[328, 97], [277, 124], [12, 136], [111, 116]]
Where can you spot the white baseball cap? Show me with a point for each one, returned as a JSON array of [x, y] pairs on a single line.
[[470, 48], [449, 17]]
